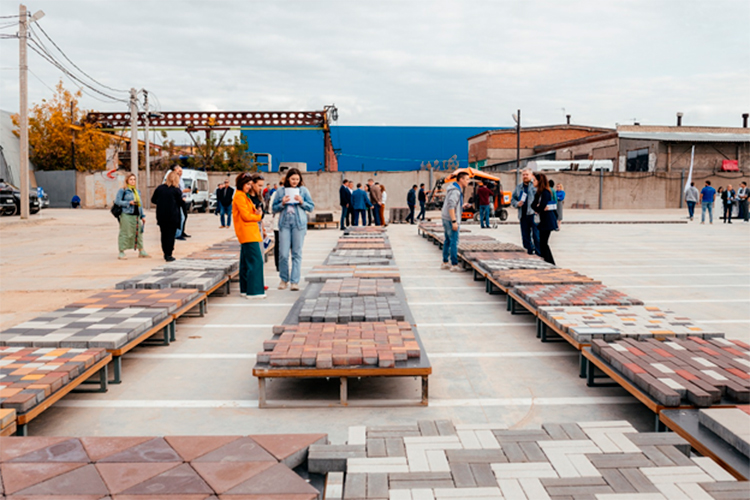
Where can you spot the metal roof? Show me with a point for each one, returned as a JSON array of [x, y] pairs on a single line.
[[686, 136]]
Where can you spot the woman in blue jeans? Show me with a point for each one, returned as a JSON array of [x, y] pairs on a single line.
[[292, 203]]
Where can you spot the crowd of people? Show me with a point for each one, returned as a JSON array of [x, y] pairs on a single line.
[[366, 204], [730, 200]]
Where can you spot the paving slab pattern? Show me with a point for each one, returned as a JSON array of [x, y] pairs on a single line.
[[506, 264], [356, 287], [227, 266], [324, 273], [177, 467], [694, 371], [605, 460], [325, 345], [170, 299], [517, 277], [574, 295], [473, 256], [157, 280], [84, 327], [30, 375], [348, 309], [730, 424], [586, 323]]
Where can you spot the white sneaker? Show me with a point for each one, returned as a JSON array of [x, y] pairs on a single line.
[[282, 285], [445, 265], [456, 269], [254, 297]]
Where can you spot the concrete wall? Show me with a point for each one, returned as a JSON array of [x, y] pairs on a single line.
[[60, 186]]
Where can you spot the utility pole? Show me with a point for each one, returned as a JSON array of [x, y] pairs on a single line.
[[148, 148], [518, 143], [23, 21], [134, 133], [72, 139]]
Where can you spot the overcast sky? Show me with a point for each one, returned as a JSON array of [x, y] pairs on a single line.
[[406, 62]]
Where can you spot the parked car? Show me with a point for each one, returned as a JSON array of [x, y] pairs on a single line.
[[212, 202], [10, 200]]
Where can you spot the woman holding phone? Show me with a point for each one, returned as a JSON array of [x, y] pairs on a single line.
[[246, 218], [292, 203]]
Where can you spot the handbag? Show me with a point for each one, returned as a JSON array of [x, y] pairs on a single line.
[[116, 210]]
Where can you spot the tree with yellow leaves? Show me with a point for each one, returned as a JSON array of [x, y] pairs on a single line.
[[54, 125]]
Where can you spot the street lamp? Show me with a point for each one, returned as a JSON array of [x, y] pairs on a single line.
[[517, 119]]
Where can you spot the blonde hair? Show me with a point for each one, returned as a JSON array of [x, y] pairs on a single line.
[[173, 179], [127, 178]]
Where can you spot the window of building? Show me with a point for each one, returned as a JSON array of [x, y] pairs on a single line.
[[637, 160]]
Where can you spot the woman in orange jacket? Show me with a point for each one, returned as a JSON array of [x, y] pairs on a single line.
[[246, 218]]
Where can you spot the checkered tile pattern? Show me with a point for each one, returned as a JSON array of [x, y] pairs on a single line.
[[328, 345], [227, 266], [324, 273], [161, 279], [507, 264], [518, 277], [28, 376], [613, 322], [84, 328], [170, 299], [574, 295], [693, 371], [348, 309], [435, 460], [355, 287]]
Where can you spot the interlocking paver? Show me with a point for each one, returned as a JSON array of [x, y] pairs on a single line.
[[158, 279], [573, 295], [351, 309]]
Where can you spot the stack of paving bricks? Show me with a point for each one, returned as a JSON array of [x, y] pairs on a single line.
[[492, 265], [172, 467], [7, 422], [328, 345], [486, 246], [170, 299], [229, 249], [226, 266], [469, 238], [375, 253], [364, 229], [29, 375], [574, 295], [84, 327], [694, 371], [732, 425], [160, 279], [517, 277], [348, 309], [435, 460], [356, 287], [586, 323], [324, 273], [337, 260], [362, 244], [512, 254]]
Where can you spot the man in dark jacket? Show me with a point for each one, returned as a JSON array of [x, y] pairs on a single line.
[[422, 196], [345, 201], [411, 201], [224, 195], [484, 193]]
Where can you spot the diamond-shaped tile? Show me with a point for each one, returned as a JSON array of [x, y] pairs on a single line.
[[13, 447], [66, 451], [192, 447], [278, 480], [181, 480], [102, 447]]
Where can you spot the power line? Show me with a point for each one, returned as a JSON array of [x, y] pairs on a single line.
[[42, 81]]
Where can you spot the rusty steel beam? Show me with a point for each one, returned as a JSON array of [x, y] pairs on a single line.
[[316, 119]]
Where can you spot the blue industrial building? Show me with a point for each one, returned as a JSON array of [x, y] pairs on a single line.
[[366, 148]]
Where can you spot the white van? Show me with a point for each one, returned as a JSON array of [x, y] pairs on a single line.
[[197, 182]]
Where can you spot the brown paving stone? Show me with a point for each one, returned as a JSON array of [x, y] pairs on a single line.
[[153, 450], [240, 450], [223, 476], [120, 476], [66, 451], [192, 447], [61, 497], [102, 447], [82, 481], [277, 480], [16, 477], [181, 480], [289, 448], [287, 496], [13, 447], [199, 496]]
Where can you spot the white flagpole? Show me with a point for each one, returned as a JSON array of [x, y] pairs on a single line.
[[690, 174]]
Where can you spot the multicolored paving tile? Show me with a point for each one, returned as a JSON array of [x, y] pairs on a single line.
[[175, 467], [585, 323], [170, 299], [557, 276], [348, 309], [507, 264], [158, 280], [694, 371], [329, 345], [574, 295], [473, 256], [84, 327], [28, 376], [227, 266]]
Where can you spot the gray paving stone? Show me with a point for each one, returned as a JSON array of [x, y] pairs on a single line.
[[377, 486], [617, 481], [376, 448], [483, 475], [476, 456], [532, 451], [445, 428], [619, 460], [639, 481], [513, 452], [355, 487], [324, 458], [462, 475], [513, 436], [428, 428], [395, 447]]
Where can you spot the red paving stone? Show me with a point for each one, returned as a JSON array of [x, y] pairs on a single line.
[[66, 451], [223, 476], [17, 477], [99, 448], [278, 480], [283, 446], [181, 480], [82, 481], [13, 447], [121, 476], [241, 450], [192, 447], [154, 450]]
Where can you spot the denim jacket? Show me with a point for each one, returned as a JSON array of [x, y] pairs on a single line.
[[300, 209], [123, 199]]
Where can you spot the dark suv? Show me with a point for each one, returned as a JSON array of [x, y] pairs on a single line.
[[10, 200]]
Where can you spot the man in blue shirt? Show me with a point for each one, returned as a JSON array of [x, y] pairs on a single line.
[[707, 202], [360, 203]]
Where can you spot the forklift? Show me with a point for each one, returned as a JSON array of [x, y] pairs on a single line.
[[500, 198]]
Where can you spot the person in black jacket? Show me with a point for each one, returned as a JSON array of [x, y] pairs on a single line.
[[544, 205], [345, 201], [411, 201], [169, 205], [224, 196], [422, 196]]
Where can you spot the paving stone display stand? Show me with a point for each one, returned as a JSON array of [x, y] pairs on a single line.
[[227, 266], [172, 467], [33, 379], [205, 281], [349, 309], [730, 424], [7, 421], [323, 273], [356, 287], [383, 253], [537, 296], [335, 260], [606, 460]]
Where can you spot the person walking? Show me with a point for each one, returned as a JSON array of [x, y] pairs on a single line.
[[181, 234], [707, 202], [350, 212], [544, 205], [383, 199], [691, 198], [728, 198], [560, 192], [522, 196], [742, 196], [132, 218], [484, 193], [422, 198], [411, 202], [224, 195], [376, 200], [292, 203], [246, 218], [451, 216], [168, 200], [345, 201], [275, 226], [360, 204]]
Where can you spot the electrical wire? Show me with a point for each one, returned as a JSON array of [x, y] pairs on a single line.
[[9, 17], [42, 81]]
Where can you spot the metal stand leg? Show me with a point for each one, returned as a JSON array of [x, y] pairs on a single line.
[[344, 391], [582, 365], [102, 383], [539, 326], [117, 370], [203, 307], [509, 304], [261, 392], [425, 391], [172, 330], [22, 430]]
